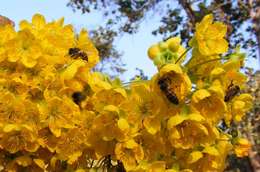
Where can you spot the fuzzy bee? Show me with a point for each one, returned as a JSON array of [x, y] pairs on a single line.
[[78, 53], [164, 84], [120, 167], [78, 97], [231, 92]]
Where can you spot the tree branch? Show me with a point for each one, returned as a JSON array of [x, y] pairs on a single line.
[[188, 9], [255, 17]]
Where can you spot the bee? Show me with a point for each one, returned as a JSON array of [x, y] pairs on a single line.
[[80, 96], [231, 92], [164, 84], [78, 53], [120, 167]]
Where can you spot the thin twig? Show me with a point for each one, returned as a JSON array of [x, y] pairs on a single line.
[[205, 62], [182, 55]]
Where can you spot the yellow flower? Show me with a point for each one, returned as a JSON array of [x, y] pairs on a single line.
[[59, 113], [238, 107], [157, 166], [154, 145], [38, 21], [70, 145], [19, 137], [189, 131], [177, 81], [242, 147], [47, 139], [209, 104], [130, 153], [228, 74], [8, 33], [209, 37], [115, 96], [144, 103], [27, 49], [152, 124], [209, 158], [12, 108]]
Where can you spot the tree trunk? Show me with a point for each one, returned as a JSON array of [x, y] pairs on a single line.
[[255, 16]]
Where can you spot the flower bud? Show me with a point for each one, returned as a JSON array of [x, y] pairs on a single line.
[[163, 46], [153, 51], [174, 43]]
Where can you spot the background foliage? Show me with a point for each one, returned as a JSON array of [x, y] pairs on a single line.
[[177, 18]]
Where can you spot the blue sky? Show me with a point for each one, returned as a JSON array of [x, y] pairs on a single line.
[[134, 46]]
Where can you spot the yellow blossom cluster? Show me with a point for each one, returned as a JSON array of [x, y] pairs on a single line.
[[57, 114]]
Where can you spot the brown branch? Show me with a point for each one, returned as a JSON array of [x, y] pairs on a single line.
[[253, 156], [188, 9], [255, 17]]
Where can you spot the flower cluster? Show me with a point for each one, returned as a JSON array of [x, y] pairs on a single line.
[[56, 114]]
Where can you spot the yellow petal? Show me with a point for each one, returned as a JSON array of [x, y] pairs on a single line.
[[111, 108], [152, 125], [245, 97], [40, 163], [24, 25], [171, 68], [28, 62], [202, 128], [123, 124], [38, 21], [53, 161], [221, 29], [194, 157], [238, 104], [72, 69], [196, 117], [157, 166], [74, 157], [23, 161], [211, 151], [200, 95], [121, 91], [217, 71], [130, 144], [174, 134], [54, 128], [175, 120], [203, 25], [80, 170], [11, 127], [221, 46]]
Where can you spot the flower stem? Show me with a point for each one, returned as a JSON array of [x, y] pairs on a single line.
[[182, 55]]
